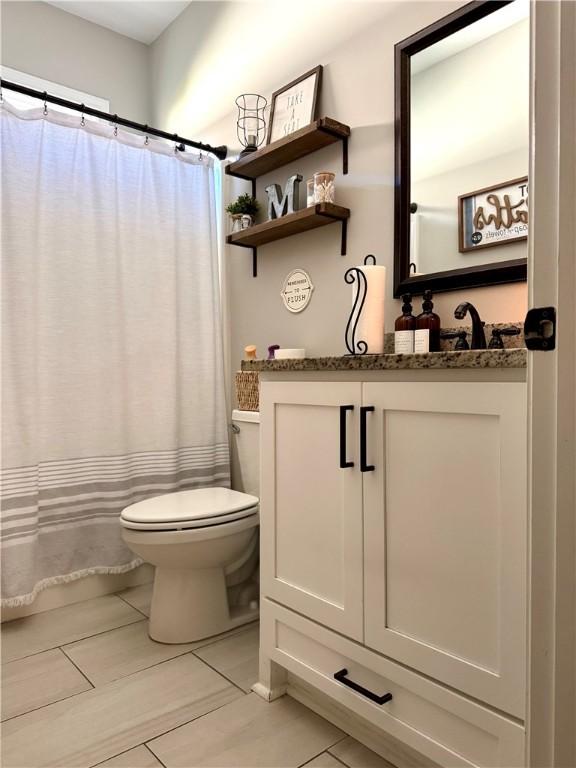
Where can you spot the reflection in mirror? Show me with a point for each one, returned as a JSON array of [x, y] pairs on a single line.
[[469, 132], [467, 147]]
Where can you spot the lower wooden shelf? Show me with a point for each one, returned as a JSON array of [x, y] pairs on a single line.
[[315, 216]]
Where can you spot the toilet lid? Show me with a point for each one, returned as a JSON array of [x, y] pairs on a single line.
[[202, 506]]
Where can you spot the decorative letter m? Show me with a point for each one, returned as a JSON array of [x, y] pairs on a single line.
[[280, 207]]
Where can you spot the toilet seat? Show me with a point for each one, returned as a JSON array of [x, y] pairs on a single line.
[[183, 510], [183, 525]]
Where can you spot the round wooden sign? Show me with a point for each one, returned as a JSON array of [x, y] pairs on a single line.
[[297, 290]]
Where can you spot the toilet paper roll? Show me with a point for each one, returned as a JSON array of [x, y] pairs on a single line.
[[371, 322]]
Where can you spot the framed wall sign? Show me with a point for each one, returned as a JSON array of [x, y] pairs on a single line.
[[493, 216], [294, 105], [297, 290]]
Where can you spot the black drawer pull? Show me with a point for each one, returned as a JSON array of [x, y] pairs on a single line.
[[364, 467], [344, 464], [341, 677]]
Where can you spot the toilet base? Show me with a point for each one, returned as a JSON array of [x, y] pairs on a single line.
[[190, 605], [190, 597]]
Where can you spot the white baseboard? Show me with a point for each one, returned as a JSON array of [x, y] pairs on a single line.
[[81, 589], [378, 741]]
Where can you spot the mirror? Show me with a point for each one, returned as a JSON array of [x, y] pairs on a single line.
[[462, 128]]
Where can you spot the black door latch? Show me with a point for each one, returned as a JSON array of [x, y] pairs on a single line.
[[540, 329]]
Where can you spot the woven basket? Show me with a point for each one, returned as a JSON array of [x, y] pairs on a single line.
[[247, 390]]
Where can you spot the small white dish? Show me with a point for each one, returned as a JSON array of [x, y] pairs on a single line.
[[287, 354]]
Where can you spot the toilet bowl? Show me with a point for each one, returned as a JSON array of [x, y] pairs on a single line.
[[195, 539]]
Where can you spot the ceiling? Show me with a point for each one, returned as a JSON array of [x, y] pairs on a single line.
[[142, 20]]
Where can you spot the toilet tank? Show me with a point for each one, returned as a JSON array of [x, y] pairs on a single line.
[[245, 452]]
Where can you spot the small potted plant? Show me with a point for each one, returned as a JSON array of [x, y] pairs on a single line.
[[242, 212]]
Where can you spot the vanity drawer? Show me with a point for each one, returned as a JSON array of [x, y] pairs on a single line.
[[436, 721]]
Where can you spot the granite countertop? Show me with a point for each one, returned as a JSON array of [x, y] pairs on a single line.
[[476, 358], [512, 356]]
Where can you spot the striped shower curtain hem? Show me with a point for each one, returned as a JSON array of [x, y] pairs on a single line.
[[66, 578], [54, 502]]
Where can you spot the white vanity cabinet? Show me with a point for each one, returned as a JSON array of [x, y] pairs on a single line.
[[312, 542], [445, 533], [393, 523]]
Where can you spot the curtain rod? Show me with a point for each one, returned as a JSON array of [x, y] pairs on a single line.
[[219, 152]]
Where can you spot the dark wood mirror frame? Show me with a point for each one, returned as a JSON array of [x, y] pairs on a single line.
[[511, 271]]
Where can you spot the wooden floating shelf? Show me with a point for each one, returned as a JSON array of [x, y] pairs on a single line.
[[321, 133], [312, 137], [301, 221]]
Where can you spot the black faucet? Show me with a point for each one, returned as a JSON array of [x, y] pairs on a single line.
[[478, 338]]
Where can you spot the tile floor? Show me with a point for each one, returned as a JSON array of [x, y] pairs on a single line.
[[84, 685]]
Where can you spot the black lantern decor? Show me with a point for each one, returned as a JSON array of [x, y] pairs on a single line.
[[251, 125]]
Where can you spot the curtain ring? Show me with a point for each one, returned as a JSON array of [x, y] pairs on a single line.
[[82, 120], [146, 140], [115, 125], [45, 95], [176, 142]]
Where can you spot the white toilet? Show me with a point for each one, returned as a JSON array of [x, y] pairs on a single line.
[[196, 539]]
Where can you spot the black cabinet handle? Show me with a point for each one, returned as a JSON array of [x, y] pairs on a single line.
[[341, 677], [344, 464], [364, 467]]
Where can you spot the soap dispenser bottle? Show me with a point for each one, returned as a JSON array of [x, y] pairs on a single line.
[[427, 335], [404, 328]]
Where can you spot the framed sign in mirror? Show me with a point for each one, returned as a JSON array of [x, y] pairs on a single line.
[[458, 221], [493, 216]]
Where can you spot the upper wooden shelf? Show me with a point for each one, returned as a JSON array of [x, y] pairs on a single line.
[[318, 134]]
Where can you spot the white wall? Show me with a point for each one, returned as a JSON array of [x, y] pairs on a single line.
[[358, 89], [216, 50], [42, 40]]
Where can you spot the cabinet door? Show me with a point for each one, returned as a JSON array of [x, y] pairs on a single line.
[[311, 507], [445, 534]]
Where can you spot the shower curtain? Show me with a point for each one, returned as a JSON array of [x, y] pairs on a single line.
[[113, 385]]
